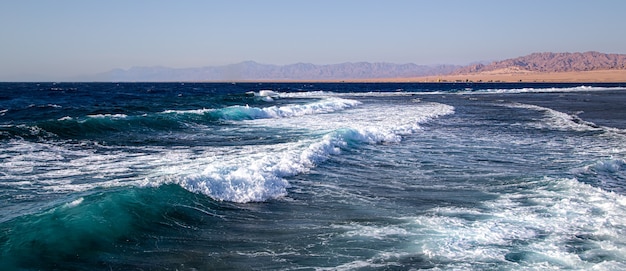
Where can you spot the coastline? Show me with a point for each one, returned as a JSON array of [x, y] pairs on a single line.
[[498, 76], [597, 76], [506, 76]]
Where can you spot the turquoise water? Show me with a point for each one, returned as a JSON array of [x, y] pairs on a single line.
[[106, 176]]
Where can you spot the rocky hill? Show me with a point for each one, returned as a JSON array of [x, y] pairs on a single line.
[[552, 62]]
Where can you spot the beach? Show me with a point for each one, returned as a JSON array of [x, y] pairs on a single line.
[[499, 76], [526, 76]]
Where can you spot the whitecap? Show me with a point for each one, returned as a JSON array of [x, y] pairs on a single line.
[[112, 116], [74, 203], [260, 172], [192, 111], [559, 120], [239, 112]]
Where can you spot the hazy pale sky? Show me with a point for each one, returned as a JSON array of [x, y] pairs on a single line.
[[64, 38]]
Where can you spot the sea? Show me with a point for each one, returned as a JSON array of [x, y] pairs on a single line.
[[312, 176]]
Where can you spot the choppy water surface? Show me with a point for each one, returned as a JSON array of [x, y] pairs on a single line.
[[105, 176]]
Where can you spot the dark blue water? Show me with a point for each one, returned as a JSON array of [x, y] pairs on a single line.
[[199, 176]]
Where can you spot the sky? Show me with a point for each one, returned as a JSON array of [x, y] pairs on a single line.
[[54, 40]]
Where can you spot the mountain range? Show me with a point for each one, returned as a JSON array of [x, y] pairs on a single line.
[[253, 71], [553, 62]]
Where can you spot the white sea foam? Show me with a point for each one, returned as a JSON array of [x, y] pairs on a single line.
[[192, 111], [325, 94], [325, 106], [74, 203], [231, 173], [374, 232], [611, 166], [257, 173], [315, 94], [531, 229], [308, 94], [111, 116], [528, 90], [538, 90], [604, 166], [268, 93], [246, 112], [52, 167], [543, 90], [372, 123], [559, 120]]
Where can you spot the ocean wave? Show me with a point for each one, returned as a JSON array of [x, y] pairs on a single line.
[[560, 120], [609, 174], [90, 224], [258, 173], [239, 112], [256, 177], [318, 94], [543, 90], [10, 131], [56, 168], [105, 125], [326, 94], [109, 116], [608, 166], [247, 173]]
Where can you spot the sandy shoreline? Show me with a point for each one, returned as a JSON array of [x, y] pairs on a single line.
[[507, 76], [599, 76]]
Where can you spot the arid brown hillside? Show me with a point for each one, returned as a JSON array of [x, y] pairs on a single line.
[[553, 62]]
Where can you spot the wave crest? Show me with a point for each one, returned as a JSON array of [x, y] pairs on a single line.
[[239, 112], [258, 173]]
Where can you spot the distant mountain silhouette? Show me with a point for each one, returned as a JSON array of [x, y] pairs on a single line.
[[253, 71], [250, 71], [553, 62]]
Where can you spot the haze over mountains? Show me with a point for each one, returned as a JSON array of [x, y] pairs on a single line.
[[252, 71]]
